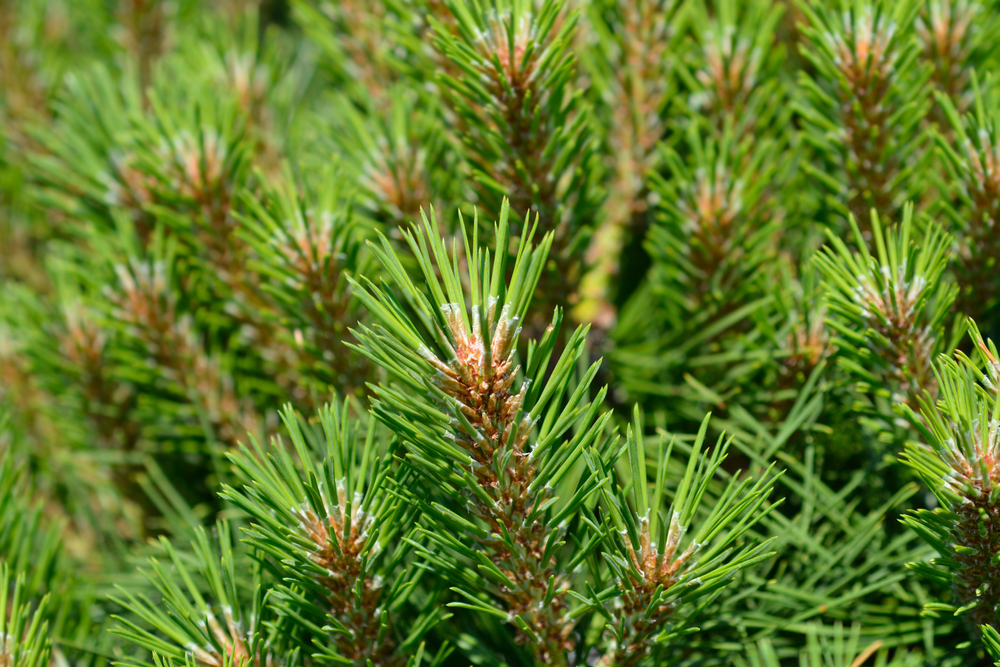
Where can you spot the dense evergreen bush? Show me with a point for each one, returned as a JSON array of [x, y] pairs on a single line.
[[499, 332]]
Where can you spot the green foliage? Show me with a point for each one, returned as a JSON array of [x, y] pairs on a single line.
[[476, 441], [865, 102], [226, 626], [383, 333], [647, 562], [27, 546], [832, 648], [733, 72], [890, 310], [957, 463], [972, 178], [717, 226], [41, 598], [991, 640], [527, 135], [24, 633], [302, 248], [332, 525]]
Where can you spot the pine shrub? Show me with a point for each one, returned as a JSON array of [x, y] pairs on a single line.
[[433, 333]]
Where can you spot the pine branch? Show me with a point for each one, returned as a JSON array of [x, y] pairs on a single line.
[[359, 39], [146, 308], [523, 126], [252, 67], [397, 152], [974, 181], [185, 169], [303, 246], [953, 37], [958, 463], [333, 524], [890, 310], [108, 403], [642, 545], [865, 103], [718, 227], [734, 67], [474, 435], [24, 640], [629, 66], [224, 628], [712, 247]]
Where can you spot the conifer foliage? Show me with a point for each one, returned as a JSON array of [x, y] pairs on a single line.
[[436, 333]]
